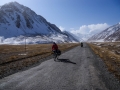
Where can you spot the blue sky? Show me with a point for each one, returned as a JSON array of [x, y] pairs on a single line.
[[76, 15]]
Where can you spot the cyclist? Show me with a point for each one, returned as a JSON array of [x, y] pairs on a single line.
[[81, 44], [55, 49]]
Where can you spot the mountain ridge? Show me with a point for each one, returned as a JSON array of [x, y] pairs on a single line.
[[17, 20], [110, 34]]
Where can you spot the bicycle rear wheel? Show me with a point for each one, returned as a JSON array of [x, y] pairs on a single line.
[[55, 56]]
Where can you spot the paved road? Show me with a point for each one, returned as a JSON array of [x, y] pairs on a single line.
[[79, 69]]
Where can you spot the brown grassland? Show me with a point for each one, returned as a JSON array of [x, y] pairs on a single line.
[[110, 53], [17, 57]]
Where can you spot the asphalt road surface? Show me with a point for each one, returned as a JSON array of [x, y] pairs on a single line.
[[76, 69]]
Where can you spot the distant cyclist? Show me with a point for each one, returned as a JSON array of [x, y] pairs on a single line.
[[55, 49], [81, 44]]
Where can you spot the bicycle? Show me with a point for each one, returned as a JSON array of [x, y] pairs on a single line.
[[56, 54]]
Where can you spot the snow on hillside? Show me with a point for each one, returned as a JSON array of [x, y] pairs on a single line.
[[34, 40], [72, 36], [110, 34], [18, 21]]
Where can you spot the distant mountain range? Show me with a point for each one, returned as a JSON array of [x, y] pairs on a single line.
[[18, 22], [110, 34]]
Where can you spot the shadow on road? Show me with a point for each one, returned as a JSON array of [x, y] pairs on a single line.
[[66, 61]]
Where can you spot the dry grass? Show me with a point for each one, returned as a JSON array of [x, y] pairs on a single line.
[[107, 51], [15, 52], [12, 57]]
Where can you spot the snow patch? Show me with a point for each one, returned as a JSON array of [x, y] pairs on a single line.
[[21, 40], [110, 29]]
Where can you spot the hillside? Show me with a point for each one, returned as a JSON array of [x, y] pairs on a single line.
[[18, 22], [110, 34]]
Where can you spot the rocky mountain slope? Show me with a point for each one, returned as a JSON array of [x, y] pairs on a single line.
[[110, 34], [18, 22]]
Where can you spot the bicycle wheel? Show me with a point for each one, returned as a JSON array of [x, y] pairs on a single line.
[[55, 56]]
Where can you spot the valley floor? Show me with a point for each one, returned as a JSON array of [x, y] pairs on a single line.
[[76, 69]]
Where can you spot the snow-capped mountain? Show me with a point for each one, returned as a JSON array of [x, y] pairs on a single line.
[[72, 36], [110, 34], [18, 22]]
